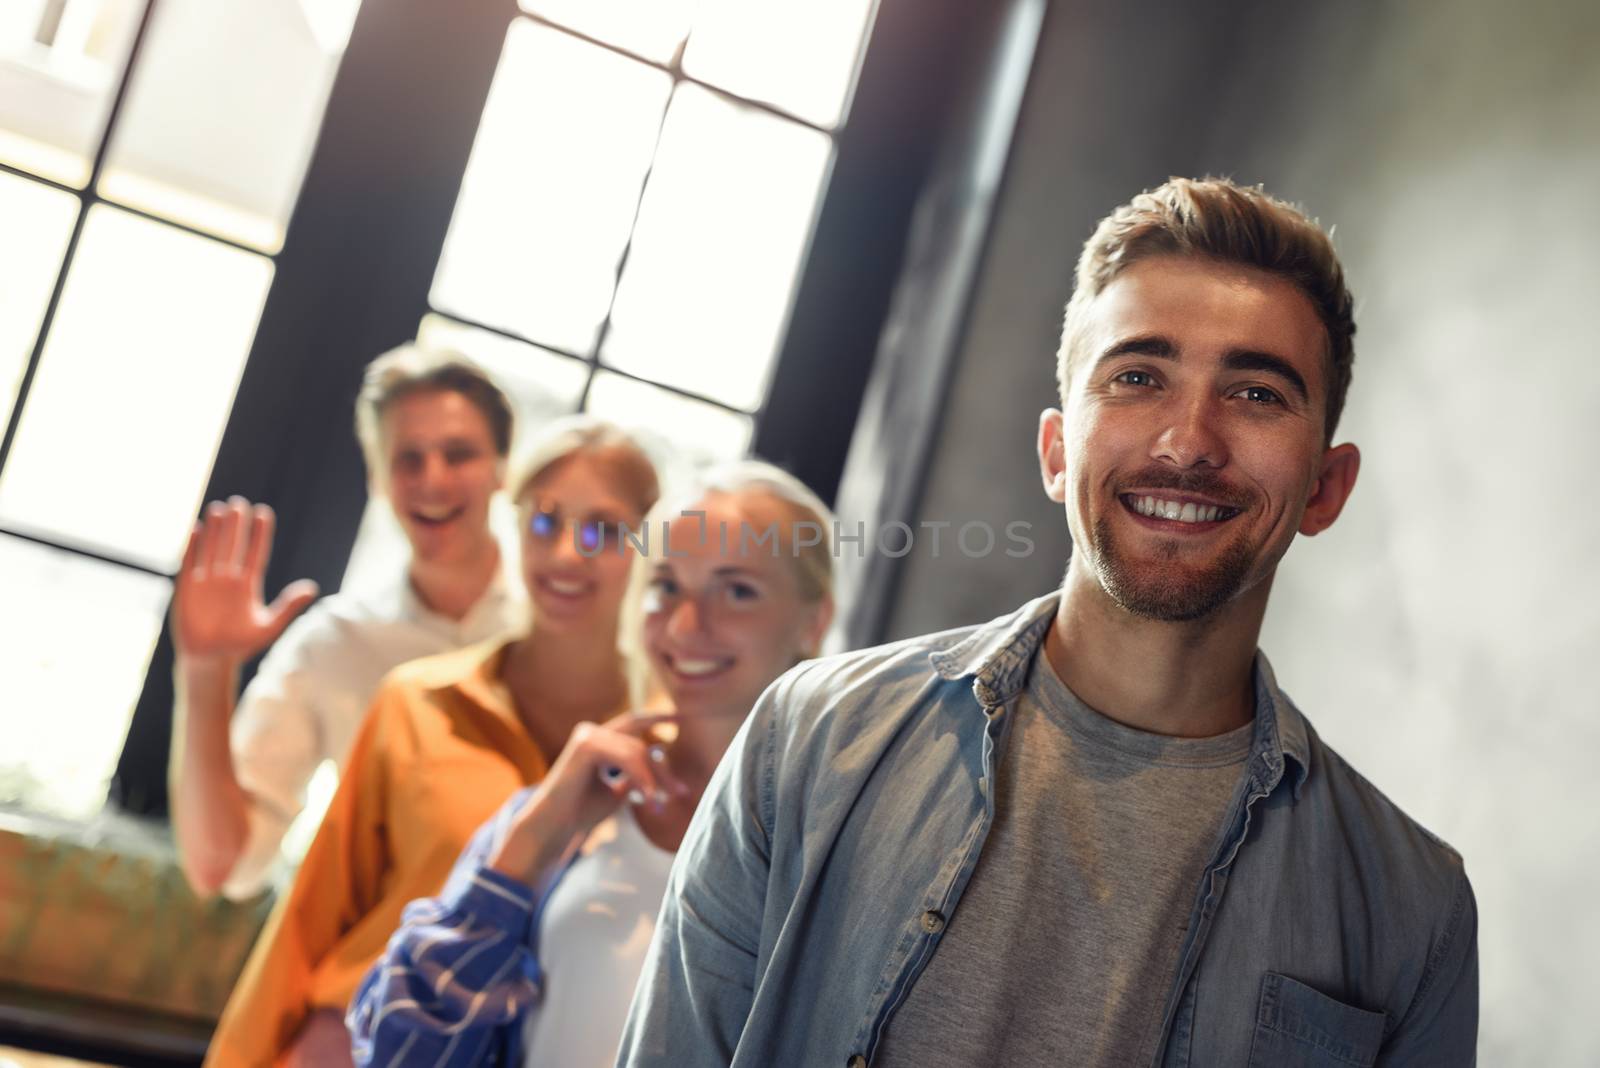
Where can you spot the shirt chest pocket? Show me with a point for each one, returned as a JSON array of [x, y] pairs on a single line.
[[1298, 1027]]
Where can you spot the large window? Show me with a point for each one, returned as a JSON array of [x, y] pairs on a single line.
[[635, 212], [639, 200], [682, 214], [149, 159]]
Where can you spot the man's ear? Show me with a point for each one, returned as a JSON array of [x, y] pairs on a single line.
[[1052, 455], [1335, 480]]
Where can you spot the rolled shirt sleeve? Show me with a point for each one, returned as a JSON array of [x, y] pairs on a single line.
[[461, 971], [278, 738]]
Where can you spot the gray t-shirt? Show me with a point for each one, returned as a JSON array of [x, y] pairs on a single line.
[[1066, 940]]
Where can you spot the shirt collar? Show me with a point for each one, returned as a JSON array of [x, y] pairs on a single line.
[[1280, 733], [475, 673], [997, 655], [491, 602], [483, 683]]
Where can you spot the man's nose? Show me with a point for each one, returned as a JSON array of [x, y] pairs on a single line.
[[1192, 435], [433, 469]]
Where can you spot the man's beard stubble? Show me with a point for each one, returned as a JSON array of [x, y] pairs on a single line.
[[1155, 592]]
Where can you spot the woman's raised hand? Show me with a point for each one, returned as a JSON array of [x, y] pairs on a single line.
[[602, 766], [218, 612]]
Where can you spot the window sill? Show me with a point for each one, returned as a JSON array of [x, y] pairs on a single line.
[[103, 943]]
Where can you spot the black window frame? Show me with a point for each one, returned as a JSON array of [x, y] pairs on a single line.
[[349, 282]]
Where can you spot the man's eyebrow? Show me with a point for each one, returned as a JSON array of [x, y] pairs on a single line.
[[1250, 360], [449, 441], [1158, 347], [1146, 345]]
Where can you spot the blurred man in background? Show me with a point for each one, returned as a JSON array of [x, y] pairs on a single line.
[[436, 432]]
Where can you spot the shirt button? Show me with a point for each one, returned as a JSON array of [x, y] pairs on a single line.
[[856, 1061], [932, 922]]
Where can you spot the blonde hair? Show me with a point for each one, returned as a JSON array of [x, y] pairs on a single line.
[[1221, 220], [618, 451], [415, 368], [813, 562]]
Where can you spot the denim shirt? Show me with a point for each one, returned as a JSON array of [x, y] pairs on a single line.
[[815, 881]]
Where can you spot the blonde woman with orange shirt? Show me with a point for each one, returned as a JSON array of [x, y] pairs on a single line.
[[446, 741]]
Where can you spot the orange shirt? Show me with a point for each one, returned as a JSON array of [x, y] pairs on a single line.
[[438, 753]]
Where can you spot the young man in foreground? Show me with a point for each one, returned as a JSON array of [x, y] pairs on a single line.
[[1094, 831]]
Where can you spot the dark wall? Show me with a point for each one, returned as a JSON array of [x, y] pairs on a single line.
[[1438, 635]]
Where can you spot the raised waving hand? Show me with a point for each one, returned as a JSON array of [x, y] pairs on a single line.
[[219, 611]]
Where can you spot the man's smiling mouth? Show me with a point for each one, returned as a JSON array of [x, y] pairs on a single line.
[[434, 517], [1157, 507]]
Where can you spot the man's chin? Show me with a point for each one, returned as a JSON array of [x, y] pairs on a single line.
[[1167, 604], [1168, 591]]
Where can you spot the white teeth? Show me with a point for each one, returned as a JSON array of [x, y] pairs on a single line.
[[571, 589], [435, 513], [696, 667], [1183, 512]]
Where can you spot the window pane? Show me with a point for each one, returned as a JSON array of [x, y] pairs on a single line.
[[60, 61], [224, 106], [36, 222], [650, 28], [542, 385], [724, 221], [133, 388], [551, 188], [696, 432], [797, 54], [75, 638]]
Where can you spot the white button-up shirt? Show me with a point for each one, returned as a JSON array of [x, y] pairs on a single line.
[[313, 688]]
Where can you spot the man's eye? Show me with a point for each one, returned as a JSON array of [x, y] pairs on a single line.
[[544, 524], [1261, 395], [741, 592], [663, 587], [460, 456], [1129, 376]]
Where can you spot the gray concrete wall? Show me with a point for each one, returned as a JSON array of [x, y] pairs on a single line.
[[1439, 634]]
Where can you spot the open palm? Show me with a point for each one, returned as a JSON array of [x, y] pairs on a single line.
[[218, 608]]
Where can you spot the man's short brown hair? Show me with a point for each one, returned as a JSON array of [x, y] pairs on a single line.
[[418, 369], [1219, 219]]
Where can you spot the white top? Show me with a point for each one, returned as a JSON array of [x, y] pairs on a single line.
[[313, 689], [593, 934]]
